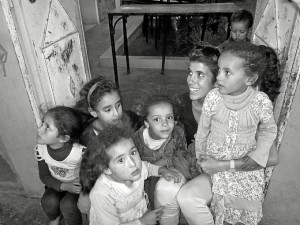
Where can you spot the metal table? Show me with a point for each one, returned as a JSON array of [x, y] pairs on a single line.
[[160, 10]]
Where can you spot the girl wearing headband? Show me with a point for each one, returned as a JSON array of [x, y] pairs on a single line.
[[101, 107]]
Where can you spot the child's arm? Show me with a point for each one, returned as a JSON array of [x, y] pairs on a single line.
[[50, 181], [248, 164], [153, 170], [266, 132], [169, 174], [209, 108], [163, 162], [166, 159], [182, 159], [212, 166], [46, 177], [72, 187], [202, 135]]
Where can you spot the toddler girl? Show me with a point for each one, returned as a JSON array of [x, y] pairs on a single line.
[[113, 175], [237, 120], [156, 142], [59, 156]]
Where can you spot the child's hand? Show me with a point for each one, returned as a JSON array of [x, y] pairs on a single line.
[[210, 165], [84, 203], [72, 187], [169, 174], [198, 165], [249, 164], [151, 217]]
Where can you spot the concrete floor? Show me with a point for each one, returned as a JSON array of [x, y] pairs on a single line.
[[16, 209]]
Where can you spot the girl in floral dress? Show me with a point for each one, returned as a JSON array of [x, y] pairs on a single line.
[[237, 120]]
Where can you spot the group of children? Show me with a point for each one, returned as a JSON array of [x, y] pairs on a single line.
[[107, 155]]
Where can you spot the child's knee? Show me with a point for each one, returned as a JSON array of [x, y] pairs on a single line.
[[164, 187], [49, 203], [184, 197], [69, 203]]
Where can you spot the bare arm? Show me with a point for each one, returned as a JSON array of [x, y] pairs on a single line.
[[211, 166]]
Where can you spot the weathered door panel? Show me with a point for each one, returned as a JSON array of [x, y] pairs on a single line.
[[48, 40], [63, 56], [59, 66]]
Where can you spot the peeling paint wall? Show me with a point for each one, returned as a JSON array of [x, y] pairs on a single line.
[[62, 53], [48, 26]]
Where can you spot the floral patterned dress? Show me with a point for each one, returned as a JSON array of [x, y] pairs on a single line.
[[232, 127]]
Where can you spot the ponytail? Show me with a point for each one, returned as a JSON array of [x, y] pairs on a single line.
[[271, 79]]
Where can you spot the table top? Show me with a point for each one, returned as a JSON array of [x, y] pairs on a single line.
[[174, 9]]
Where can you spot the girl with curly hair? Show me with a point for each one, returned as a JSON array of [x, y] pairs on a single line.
[[113, 175], [237, 120]]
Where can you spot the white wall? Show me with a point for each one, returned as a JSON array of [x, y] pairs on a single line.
[[282, 205], [89, 12], [18, 126]]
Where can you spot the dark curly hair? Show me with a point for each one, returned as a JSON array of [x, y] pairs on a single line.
[[95, 159], [67, 121], [91, 94], [271, 79], [207, 55], [242, 16], [154, 99], [261, 61], [254, 59]]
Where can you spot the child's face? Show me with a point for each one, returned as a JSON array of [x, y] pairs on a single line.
[[125, 164], [231, 78], [48, 133], [160, 120], [200, 80], [109, 110], [239, 31]]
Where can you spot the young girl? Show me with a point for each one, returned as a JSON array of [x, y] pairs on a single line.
[[59, 156], [101, 107], [113, 175], [157, 141], [237, 120]]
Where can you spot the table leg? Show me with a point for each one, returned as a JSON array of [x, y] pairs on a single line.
[[113, 50], [164, 45], [126, 43], [228, 27], [205, 18], [156, 30], [145, 27]]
